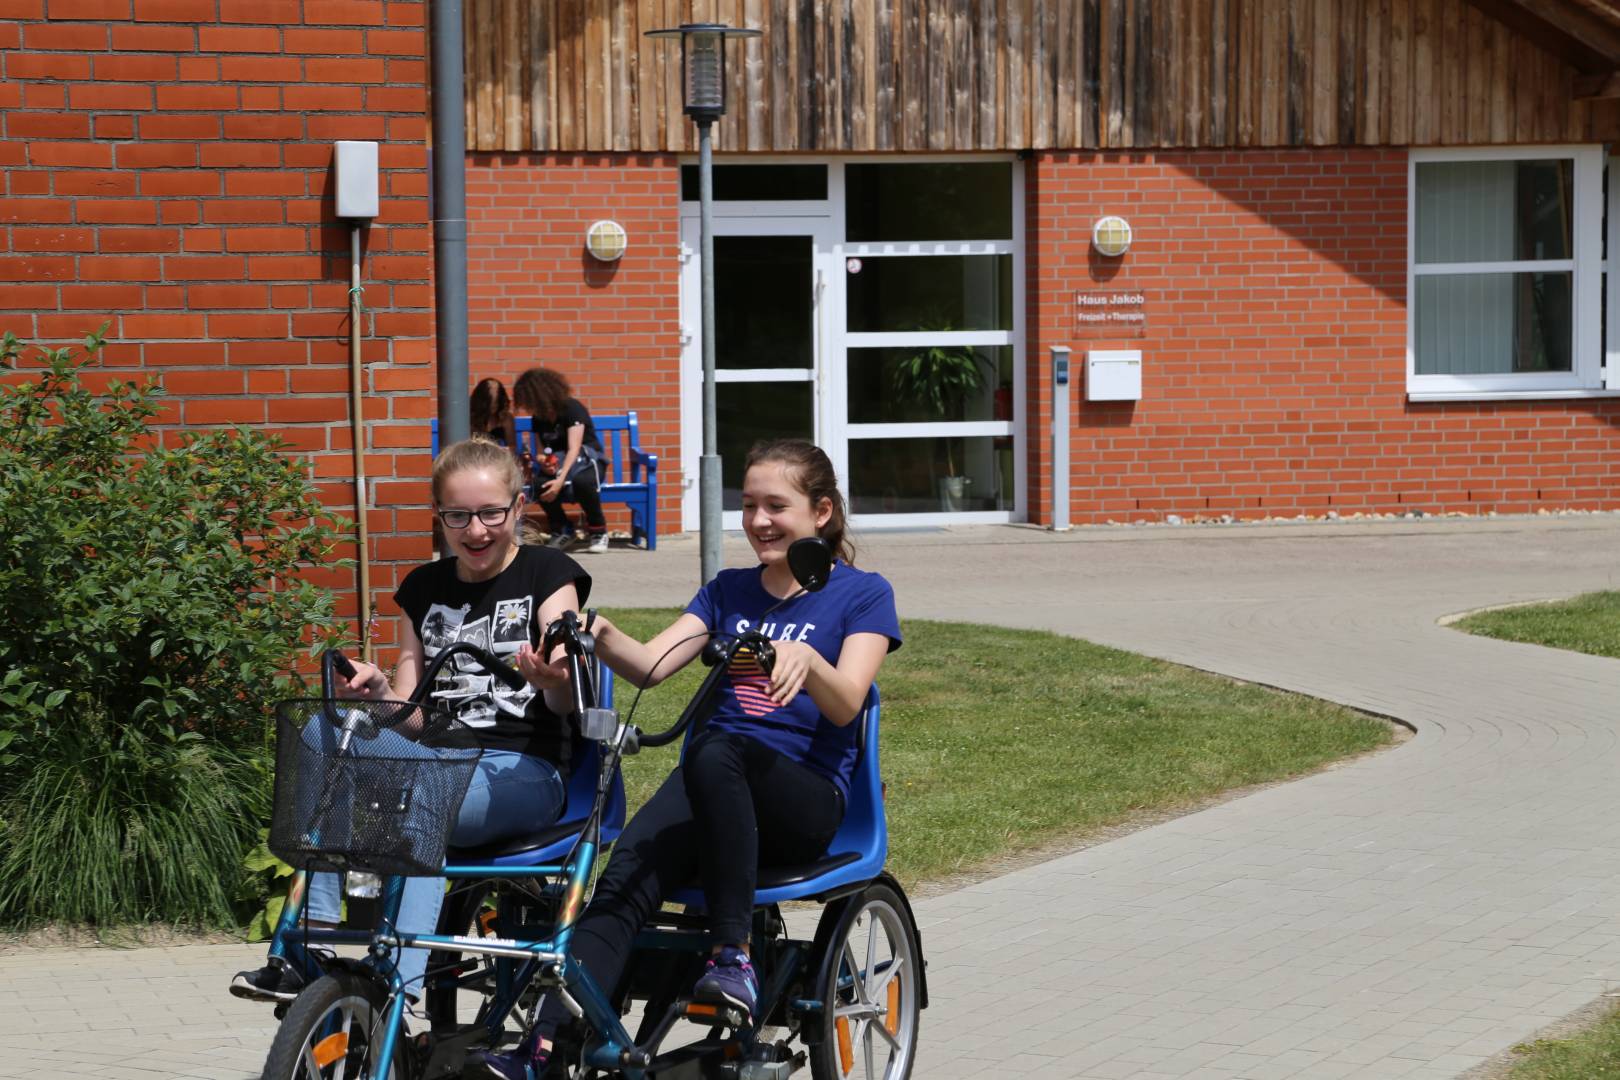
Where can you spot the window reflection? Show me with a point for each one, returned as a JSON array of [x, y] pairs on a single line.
[[765, 183], [745, 413], [763, 312], [919, 383], [894, 293], [930, 475], [955, 200]]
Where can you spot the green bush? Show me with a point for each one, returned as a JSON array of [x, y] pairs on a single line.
[[150, 611]]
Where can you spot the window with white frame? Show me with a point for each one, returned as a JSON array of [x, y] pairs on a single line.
[[1506, 272]]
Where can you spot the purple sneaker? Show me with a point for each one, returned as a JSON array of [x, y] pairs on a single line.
[[729, 980], [518, 1064]]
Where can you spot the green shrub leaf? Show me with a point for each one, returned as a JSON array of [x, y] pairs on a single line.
[[151, 606]]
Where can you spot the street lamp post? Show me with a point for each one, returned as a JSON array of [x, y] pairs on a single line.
[[703, 82]]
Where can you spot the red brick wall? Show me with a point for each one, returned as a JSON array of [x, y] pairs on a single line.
[[1274, 376], [1274, 370], [538, 298], [165, 167]]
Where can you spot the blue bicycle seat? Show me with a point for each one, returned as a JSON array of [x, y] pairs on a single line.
[[552, 843], [858, 851]]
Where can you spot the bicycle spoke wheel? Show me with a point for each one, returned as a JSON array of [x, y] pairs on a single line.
[[330, 1031], [871, 995]]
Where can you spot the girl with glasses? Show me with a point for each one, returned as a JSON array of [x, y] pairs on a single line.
[[500, 595]]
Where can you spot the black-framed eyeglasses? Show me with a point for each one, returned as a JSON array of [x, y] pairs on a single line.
[[491, 516]]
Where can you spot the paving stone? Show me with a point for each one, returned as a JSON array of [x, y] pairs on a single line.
[[1405, 915]]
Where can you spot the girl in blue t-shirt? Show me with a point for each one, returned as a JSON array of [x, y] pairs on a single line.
[[766, 781]]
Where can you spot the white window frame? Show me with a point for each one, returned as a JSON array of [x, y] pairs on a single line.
[[1589, 376]]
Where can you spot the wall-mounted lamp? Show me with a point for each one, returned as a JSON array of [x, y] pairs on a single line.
[[1111, 236], [606, 240]]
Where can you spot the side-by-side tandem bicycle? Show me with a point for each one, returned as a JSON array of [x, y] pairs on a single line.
[[374, 787]]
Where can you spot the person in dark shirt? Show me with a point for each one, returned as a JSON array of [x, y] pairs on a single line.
[[490, 411], [500, 595], [767, 780], [568, 455]]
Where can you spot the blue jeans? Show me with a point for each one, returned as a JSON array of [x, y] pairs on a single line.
[[510, 793]]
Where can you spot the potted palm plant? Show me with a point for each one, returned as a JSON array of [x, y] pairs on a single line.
[[937, 381]]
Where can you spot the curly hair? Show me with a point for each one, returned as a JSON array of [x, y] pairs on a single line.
[[541, 392]]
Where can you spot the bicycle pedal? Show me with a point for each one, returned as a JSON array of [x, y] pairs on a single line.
[[714, 1015]]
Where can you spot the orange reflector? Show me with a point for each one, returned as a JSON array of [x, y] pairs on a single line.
[[486, 922], [846, 1049], [330, 1049], [702, 1010], [892, 1021]]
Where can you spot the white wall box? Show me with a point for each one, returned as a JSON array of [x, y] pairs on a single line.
[[1114, 375], [356, 179]]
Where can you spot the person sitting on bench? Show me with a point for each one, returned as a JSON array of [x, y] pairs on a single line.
[[566, 466]]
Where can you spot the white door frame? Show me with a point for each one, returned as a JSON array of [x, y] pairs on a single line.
[[761, 219], [823, 221]]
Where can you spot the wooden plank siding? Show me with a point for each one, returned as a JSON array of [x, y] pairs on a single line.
[[947, 76]]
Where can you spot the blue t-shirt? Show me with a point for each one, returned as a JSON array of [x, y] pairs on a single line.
[[853, 602]]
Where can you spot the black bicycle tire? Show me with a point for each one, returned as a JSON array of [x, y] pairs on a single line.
[[313, 1003], [823, 1052]]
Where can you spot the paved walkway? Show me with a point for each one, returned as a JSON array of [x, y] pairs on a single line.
[[1405, 916]]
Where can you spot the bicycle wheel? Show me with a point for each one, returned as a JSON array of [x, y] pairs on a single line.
[[329, 1033], [870, 992]]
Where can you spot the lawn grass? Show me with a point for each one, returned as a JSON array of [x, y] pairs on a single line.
[[1593, 1054], [1000, 741], [1589, 623]]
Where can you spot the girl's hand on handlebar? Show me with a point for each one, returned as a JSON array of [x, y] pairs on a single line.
[[368, 684], [793, 662], [541, 674]]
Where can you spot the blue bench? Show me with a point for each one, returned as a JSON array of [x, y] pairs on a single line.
[[629, 473]]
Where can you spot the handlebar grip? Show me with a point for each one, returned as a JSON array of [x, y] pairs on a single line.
[[565, 627], [663, 738], [333, 663], [766, 654]]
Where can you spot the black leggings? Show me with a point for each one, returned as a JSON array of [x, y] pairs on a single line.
[[732, 806], [585, 489]]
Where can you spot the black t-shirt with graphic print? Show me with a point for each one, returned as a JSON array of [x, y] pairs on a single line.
[[500, 615]]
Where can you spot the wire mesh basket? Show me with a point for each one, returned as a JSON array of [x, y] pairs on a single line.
[[368, 785]]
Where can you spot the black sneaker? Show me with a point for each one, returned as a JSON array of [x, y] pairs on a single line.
[[276, 981]]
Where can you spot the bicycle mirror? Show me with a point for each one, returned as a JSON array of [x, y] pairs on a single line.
[[810, 558]]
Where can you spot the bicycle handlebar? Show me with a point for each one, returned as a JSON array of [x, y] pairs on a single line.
[[717, 655], [486, 660], [578, 643], [334, 663]]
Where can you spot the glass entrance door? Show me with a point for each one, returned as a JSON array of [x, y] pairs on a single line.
[[769, 341], [874, 307]]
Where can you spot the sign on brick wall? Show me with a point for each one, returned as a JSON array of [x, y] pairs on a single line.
[[1116, 311]]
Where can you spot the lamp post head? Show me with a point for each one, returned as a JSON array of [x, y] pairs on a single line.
[[703, 66]]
